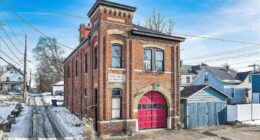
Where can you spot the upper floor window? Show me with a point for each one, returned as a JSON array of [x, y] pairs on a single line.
[[153, 59], [116, 103], [206, 77], [7, 79], [68, 72], [188, 79], [96, 57], [116, 56], [86, 62], [77, 68]]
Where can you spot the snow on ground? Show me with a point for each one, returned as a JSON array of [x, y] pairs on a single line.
[[256, 122], [70, 122], [23, 125], [45, 98], [48, 99], [38, 101], [6, 109]]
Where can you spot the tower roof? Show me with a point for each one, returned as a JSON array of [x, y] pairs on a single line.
[[110, 4]]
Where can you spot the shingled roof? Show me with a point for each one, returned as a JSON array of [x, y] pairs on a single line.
[[190, 90], [242, 75]]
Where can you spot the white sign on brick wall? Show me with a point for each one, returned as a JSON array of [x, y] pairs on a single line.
[[116, 78]]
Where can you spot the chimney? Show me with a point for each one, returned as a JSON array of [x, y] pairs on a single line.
[[226, 67], [84, 31]]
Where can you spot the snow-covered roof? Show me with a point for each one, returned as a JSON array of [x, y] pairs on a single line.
[[60, 83]]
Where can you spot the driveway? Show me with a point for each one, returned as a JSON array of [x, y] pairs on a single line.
[[210, 133]]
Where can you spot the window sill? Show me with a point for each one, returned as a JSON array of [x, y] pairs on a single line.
[[150, 71], [116, 68]]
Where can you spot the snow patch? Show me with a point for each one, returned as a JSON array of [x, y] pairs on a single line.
[[6, 109], [23, 125], [256, 122], [71, 123]]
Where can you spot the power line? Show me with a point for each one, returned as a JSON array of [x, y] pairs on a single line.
[[7, 62], [230, 57], [217, 39], [182, 34], [51, 11], [10, 58], [9, 48], [10, 28], [10, 40], [30, 25], [228, 52]]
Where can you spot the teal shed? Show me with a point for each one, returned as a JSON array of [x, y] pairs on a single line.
[[203, 105]]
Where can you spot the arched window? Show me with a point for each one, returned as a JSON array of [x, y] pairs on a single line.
[[153, 59], [116, 103], [116, 56]]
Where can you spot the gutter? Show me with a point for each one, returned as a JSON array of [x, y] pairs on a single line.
[[155, 35]]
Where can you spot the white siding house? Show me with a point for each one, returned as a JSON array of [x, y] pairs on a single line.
[[58, 88]]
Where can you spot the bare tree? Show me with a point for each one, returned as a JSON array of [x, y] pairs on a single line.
[[169, 27], [156, 21], [50, 67]]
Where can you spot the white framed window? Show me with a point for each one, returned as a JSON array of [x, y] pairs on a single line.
[[116, 103], [153, 59]]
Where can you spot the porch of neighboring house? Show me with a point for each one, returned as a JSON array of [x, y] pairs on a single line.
[[11, 87]]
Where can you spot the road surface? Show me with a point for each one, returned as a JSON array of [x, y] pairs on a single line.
[[42, 124]]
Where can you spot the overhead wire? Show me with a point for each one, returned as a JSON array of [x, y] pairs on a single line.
[[8, 47], [30, 25], [50, 11], [11, 41], [10, 58], [10, 28]]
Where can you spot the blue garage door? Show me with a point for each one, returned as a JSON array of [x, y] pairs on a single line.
[[205, 114]]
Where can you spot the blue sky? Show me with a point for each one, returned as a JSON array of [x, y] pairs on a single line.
[[226, 19]]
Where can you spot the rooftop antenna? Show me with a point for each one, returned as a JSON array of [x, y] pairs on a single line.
[[254, 67]]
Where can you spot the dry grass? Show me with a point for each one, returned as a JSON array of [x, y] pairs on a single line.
[[89, 128]]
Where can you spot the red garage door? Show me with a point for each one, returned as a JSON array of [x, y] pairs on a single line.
[[152, 111]]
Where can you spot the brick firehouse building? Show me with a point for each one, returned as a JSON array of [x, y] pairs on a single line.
[[123, 75]]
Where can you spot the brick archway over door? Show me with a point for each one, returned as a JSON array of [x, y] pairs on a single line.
[[152, 111]]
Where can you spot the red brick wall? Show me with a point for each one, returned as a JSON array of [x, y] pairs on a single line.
[[132, 62]]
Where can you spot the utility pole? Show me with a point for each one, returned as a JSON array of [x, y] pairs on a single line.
[[254, 66], [25, 72], [30, 81]]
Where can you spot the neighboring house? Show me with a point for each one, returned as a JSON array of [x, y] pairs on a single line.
[[226, 80], [58, 88], [123, 75], [256, 88], [203, 105], [11, 80], [188, 74]]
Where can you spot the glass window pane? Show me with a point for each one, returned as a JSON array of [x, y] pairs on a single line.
[[116, 62], [143, 106], [147, 54], [159, 66], [115, 114], [150, 106], [116, 92], [159, 55], [147, 65], [116, 51]]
